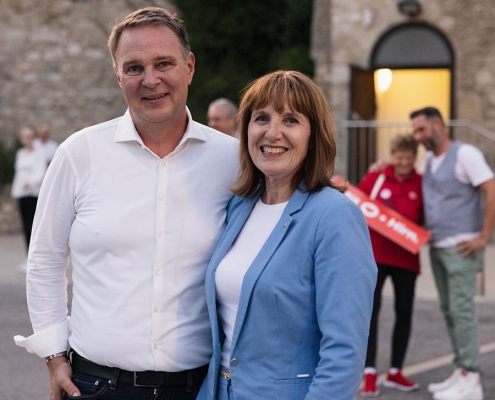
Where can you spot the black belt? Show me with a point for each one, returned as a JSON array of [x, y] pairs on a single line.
[[142, 378]]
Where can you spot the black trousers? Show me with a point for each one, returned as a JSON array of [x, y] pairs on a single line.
[[27, 208], [404, 283]]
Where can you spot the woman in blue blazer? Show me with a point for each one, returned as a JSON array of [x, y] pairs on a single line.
[[290, 286]]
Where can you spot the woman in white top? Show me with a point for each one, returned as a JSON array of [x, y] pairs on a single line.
[[290, 286], [30, 168]]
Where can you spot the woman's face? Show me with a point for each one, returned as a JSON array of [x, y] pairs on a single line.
[[278, 142], [26, 137], [403, 162]]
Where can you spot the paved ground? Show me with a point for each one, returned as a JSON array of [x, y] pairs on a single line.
[[24, 377]]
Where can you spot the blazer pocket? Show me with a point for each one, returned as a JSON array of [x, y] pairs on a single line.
[[296, 381]]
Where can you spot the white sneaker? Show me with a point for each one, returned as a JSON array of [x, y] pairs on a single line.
[[466, 387], [436, 387]]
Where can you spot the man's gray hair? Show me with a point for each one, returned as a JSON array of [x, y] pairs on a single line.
[[228, 106]]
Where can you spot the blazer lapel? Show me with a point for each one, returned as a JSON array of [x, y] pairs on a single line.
[[231, 232], [260, 262]]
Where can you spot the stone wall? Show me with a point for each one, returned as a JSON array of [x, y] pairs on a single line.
[[345, 32], [55, 68], [54, 64]]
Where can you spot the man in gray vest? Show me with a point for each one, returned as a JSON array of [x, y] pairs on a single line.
[[454, 177]]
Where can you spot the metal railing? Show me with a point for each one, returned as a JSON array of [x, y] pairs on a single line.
[[363, 144], [367, 137]]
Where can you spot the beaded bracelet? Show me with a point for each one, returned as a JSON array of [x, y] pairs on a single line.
[[50, 358]]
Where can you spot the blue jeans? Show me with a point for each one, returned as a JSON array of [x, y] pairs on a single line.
[[96, 388]]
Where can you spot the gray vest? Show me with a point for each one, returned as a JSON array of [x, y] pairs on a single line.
[[451, 207]]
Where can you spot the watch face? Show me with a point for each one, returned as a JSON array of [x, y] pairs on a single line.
[[385, 194]]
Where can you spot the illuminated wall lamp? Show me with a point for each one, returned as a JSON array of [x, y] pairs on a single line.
[[411, 8], [383, 79]]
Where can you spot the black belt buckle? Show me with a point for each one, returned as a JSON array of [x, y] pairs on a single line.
[[149, 379]]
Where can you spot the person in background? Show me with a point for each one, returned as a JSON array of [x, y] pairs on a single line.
[[138, 204], [30, 167], [290, 286], [48, 145], [398, 186], [455, 176], [222, 116]]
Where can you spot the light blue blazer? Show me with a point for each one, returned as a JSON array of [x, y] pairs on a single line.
[[304, 312]]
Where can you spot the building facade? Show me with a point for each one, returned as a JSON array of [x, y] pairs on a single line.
[[54, 64], [55, 68], [450, 41]]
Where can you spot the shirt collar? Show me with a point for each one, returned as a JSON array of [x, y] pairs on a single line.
[[126, 131]]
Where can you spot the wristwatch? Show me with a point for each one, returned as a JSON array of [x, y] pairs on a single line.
[[50, 358]]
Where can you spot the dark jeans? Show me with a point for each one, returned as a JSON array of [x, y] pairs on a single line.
[[95, 388], [404, 282], [27, 207]]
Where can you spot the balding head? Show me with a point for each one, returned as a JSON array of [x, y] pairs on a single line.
[[221, 116]]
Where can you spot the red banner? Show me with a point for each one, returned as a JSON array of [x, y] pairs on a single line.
[[388, 222]]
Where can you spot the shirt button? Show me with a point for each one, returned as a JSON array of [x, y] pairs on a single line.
[[234, 362], [159, 272], [161, 197], [155, 346], [163, 163], [159, 234], [155, 309]]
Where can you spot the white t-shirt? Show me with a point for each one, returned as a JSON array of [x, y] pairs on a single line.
[[229, 274], [470, 168]]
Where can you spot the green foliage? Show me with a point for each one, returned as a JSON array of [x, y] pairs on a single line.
[[7, 160], [236, 41]]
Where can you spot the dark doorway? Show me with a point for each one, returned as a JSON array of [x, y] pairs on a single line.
[[361, 140]]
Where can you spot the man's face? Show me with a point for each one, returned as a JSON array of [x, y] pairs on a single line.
[[426, 132], [44, 133], [217, 119], [154, 75]]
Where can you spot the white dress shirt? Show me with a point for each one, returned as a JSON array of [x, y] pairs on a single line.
[[140, 232], [30, 167], [49, 147]]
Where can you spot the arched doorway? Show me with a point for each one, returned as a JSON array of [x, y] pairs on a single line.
[[418, 62]]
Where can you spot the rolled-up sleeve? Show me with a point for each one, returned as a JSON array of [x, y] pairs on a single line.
[[48, 259]]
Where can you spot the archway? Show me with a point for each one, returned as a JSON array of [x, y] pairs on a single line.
[[419, 62]]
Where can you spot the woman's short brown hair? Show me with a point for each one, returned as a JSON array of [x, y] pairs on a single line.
[[301, 94], [149, 16], [405, 142]]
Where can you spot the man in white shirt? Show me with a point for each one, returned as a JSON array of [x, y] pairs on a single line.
[[221, 116], [48, 145], [454, 177], [138, 203]]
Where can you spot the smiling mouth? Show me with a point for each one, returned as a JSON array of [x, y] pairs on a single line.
[[159, 96], [273, 150]]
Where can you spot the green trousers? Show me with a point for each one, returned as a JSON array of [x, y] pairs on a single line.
[[455, 278]]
